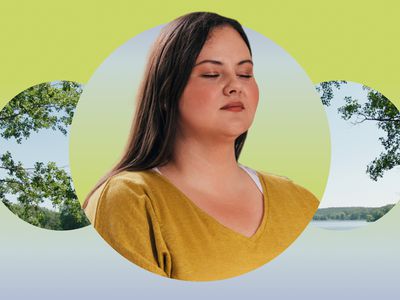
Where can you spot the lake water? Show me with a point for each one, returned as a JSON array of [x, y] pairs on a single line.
[[339, 225]]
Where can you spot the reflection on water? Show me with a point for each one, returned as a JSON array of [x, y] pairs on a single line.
[[339, 225]]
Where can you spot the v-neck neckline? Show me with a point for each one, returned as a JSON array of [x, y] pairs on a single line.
[[254, 236]]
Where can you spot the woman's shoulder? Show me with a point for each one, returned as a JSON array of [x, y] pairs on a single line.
[[291, 204], [127, 182], [274, 178], [119, 191], [136, 178], [283, 185]]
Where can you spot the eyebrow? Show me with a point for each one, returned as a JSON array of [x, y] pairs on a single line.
[[217, 62]]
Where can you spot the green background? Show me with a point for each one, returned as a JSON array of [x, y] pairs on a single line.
[[48, 40], [289, 136], [52, 40]]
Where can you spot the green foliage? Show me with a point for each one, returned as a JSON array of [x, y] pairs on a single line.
[[72, 216], [369, 214], [48, 105], [326, 90], [378, 109], [38, 216], [44, 106], [34, 186]]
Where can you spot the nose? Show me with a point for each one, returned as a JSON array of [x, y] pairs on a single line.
[[232, 87]]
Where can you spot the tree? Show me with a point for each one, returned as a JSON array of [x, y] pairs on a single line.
[[326, 90], [370, 218], [44, 106], [377, 109], [380, 110]]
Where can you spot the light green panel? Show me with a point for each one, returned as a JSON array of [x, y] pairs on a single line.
[[44, 41], [289, 137]]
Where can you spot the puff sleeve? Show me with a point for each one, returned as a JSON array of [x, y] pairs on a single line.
[[126, 219]]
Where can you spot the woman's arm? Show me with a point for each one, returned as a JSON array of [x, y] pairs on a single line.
[[126, 219]]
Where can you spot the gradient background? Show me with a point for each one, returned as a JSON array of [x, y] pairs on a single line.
[[289, 134], [46, 41], [354, 146]]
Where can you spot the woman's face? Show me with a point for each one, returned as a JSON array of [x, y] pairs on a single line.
[[221, 96]]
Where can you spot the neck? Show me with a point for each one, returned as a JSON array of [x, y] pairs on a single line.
[[202, 160]]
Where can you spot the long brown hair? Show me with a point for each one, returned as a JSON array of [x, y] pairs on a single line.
[[170, 63]]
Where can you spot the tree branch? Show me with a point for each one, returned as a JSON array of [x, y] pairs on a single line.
[[10, 117], [376, 119], [27, 169], [11, 180]]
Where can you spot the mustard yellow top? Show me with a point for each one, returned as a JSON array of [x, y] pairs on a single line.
[[153, 224]]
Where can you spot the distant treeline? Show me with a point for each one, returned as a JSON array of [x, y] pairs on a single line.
[[369, 214], [46, 218]]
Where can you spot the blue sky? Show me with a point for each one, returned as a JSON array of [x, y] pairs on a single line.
[[353, 148], [44, 146]]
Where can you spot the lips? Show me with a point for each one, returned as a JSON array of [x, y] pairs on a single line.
[[233, 106]]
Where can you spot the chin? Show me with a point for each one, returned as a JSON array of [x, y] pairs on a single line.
[[235, 133], [240, 128]]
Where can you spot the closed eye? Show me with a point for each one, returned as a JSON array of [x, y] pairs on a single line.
[[210, 75], [245, 75]]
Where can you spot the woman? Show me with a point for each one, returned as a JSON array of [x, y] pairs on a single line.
[[178, 203]]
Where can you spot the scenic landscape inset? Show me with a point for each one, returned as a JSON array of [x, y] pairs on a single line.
[[35, 182], [365, 137]]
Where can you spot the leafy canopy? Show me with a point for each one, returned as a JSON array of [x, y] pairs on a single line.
[[44, 106], [378, 109]]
